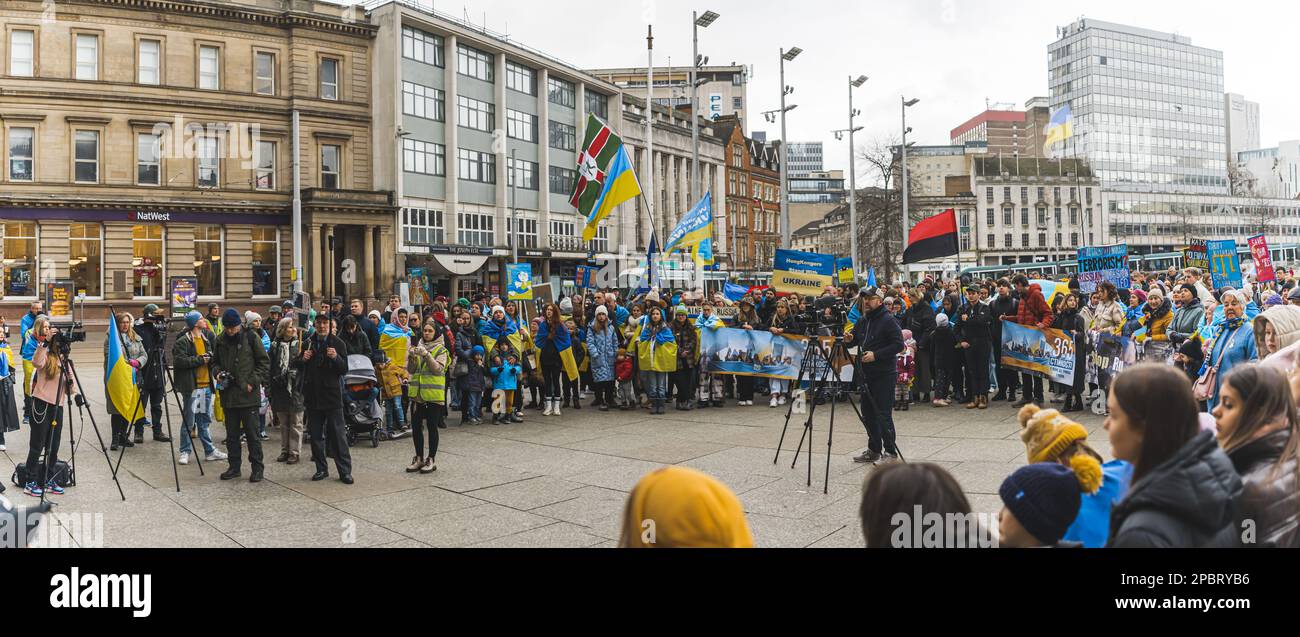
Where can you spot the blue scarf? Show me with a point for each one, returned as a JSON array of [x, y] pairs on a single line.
[[710, 321], [661, 335], [1233, 323]]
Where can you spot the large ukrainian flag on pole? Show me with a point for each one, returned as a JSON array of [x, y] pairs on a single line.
[[605, 176], [695, 231], [119, 377], [1059, 129]]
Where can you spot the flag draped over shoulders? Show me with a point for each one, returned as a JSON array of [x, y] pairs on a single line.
[[563, 344], [119, 377], [395, 342], [492, 332]]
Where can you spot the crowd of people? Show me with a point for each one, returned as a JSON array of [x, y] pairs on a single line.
[[1214, 452]]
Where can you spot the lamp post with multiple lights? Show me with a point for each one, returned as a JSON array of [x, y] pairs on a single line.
[[853, 171], [697, 62], [903, 245], [786, 56]]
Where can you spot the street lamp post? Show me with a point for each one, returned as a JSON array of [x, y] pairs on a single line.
[[697, 62], [853, 187], [786, 56], [903, 245]]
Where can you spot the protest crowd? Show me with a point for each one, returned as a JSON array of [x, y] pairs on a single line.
[[1198, 385]]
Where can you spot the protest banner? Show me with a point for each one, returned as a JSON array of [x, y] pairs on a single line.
[[1196, 256], [1103, 263], [844, 270], [519, 282], [726, 313], [1110, 354], [1044, 352], [1263, 261], [803, 273], [1225, 270], [585, 277], [761, 355]]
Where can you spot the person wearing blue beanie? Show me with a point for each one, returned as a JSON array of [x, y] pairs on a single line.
[[192, 318], [1040, 502], [477, 350], [231, 318]]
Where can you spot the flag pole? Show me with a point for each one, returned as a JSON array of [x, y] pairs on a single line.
[[650, 144]]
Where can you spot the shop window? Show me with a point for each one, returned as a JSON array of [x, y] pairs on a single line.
[[86, 258], [147, 261], [207, 259], [19, 259], [266, 261]]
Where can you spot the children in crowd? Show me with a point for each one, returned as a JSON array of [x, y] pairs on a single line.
[[943, 349], [623, 373], [906, 365], [505, 379], [471, 388], [1040, 502]]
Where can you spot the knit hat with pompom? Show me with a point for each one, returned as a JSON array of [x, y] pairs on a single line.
[[1047, 434]]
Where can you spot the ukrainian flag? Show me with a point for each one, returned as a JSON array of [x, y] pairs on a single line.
[[395, 342], [490, 332], [620, 186], [695, 231], [1059, 129], [119, 377], [563, 344], [1051, 289]]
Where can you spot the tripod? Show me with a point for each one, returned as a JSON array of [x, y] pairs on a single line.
[[67, 378], [818, 367], [159, 355]]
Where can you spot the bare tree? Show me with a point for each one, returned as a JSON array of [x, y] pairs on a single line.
[[880, 233]]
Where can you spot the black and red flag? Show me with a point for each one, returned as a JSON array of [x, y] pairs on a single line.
[[933, 238]]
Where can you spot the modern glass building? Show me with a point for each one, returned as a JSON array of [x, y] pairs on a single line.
[[1147, 107]]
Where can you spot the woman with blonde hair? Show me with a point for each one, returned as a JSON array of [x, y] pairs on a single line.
[[47, 412], [136, 356]]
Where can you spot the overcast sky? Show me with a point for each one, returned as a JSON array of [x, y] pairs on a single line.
[[951, 54]]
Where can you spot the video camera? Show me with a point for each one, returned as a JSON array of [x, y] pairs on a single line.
[[836, 316], [64, 336]]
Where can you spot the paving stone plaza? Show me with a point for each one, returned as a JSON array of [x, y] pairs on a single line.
[[548, 482]]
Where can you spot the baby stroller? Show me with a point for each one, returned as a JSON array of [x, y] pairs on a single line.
[[361, 411]]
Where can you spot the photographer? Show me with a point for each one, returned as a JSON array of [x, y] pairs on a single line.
[[152, 328], [240, 365], [191, 354], [136, 356], [321, 366], [47, 410], [286, 395], [878, 339]]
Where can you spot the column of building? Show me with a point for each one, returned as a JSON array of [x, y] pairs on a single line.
[[451, 135]]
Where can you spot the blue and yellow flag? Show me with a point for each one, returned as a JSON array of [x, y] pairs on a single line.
[[695, 231], [563, 344], [620, 185], [1059, 129], [119, 377], [1050, 289], [490, 333], [395, 342]]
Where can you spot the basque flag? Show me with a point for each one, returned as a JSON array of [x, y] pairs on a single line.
[[933, 238]]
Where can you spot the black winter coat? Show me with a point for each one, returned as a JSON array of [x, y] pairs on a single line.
[[151, 375], [921, 323], [943, 347], [878, 332], [322, 386], [976, 327], [1267, 498], [356, 342], [1187, 502], [243, 357]]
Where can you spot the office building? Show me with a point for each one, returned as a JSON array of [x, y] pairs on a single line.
[[805, 158], [1242, 118], [1271, 172], [721, 92], [1014, 133]]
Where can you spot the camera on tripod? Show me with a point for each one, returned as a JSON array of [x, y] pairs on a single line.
[[64, 336], [832, 313]]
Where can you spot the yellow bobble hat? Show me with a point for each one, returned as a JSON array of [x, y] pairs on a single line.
[[1047, 433], [676, 507]]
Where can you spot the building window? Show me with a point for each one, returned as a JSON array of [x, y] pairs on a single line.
[[1074, 239], [525, 232], [266, 261], [1006, 217], [475, 229], [1006, 240], [991, 242], [1024, 240], [86, 158], [521, 78], [87, 57], [597, 104], [477, 166], [1024, 194], [209, 163], [150, 62], [86, 258], [561, 92], [989, 217], [1042, 239], [421, 227], [1074, 216], [209, 68], [22, 146], [20, 259], [22, 53], [1041, 215], [421, 47], [1056, 194], [423, 101], [562, 180], [988, 194], [565, 229], [148, 160], [1087, 193], [329, 79], [264, 73], [1024, 216], [526, 172], [521, 126], [147, 261], [475, 114], [264, 175], [424, 158], [207, 259], [563, 136], [330, 167], [474, 63]]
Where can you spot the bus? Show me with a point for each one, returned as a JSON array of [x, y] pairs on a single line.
[[1156, 262]]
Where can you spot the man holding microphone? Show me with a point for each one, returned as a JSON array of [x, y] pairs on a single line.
[[878, 339], [323, 363]]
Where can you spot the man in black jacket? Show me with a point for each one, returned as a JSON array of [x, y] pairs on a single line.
[[1004, 305], [152, 335], [879, 340], [368, 326], [241, 366], [974, 336], [322, 364]]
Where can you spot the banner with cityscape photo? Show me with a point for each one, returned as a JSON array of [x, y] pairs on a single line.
[[762, 355], [1045, 352]]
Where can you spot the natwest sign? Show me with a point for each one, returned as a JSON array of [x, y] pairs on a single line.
[[161, 217]]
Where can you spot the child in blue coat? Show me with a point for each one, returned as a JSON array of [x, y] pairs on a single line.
[[505, 378]]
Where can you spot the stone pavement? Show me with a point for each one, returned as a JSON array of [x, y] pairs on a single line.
[[548, 482]]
